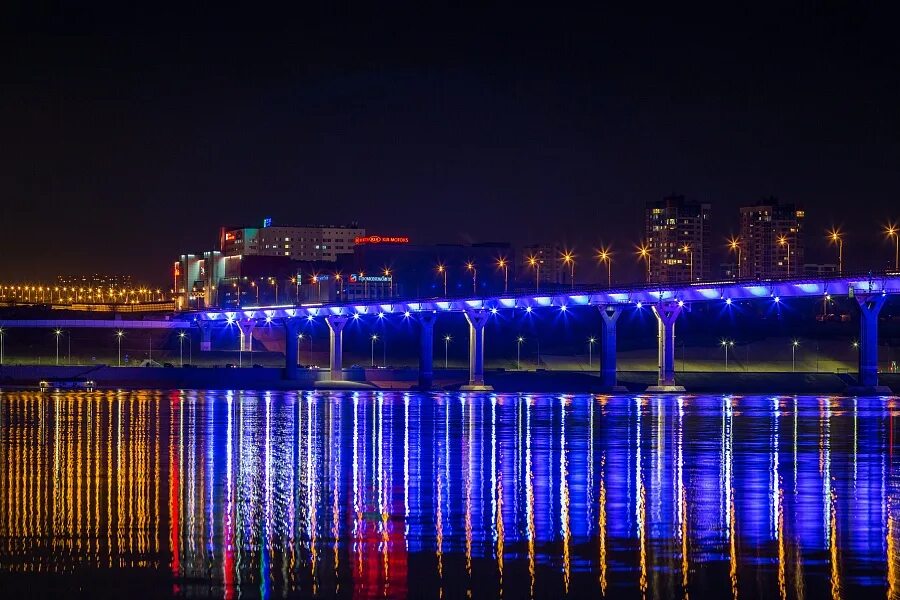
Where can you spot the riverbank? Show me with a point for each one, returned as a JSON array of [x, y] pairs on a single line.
[[266, 378]]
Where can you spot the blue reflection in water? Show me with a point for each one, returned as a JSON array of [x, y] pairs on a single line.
[[404, 494]]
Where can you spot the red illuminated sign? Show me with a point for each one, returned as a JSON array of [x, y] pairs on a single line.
[[377, 239], [229, 236]]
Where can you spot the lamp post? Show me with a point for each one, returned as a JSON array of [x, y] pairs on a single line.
[[2, 332], [687, 250], [606, 256], [892, 231], [534, 262], [119, 335], [387, 273], [256, 287], [180, 348], [299, 337], [734, 244], [340, 281], [274, 282], [726, 344], [834, 236], [519, 341], [443, 270], [783, 241], [374, 337], [471, 267], [57, 333], [794, 345], [591, 342], [502, 263], [644, 252], [569, 259], [447, 339]]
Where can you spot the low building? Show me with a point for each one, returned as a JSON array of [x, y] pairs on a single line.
[[311, 243]]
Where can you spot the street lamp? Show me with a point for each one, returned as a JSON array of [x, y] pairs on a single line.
[[253, 285], [180, 348], [783, 241], [726, 344], [519, 341], [119, 335], [687, 249], [274, 282], [300, 337], [443, 270], [644, 252], [591, 342], [340, 280], [296, 281], [374, 338], [734, 244], [471, 267], [834, 237], [502, 263], [447, 339], [534, 262], [606, 256], [892, 231], [2, 332], [57, 333], [387, 273], [569, 259], [794, 344]]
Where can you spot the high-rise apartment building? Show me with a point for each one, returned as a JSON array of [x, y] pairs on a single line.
[[677, 236], [771, 240], [304, 242]]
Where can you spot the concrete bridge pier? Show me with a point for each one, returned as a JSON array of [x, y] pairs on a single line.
[[426, 349], [205, 335], [291, 357], [869, 307], [477, 320], [610, 314], [336, 325], [666, 315], [246, 338]]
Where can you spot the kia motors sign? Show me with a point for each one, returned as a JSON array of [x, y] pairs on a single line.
[[377, 239]]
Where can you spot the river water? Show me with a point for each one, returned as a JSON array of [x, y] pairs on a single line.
[[247, 494]]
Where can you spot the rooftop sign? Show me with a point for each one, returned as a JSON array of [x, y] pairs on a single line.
[[377, 239]]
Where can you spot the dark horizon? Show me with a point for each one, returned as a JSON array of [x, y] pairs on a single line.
[[130, 138]]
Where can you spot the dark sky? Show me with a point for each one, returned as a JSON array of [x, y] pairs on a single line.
[[128, 136]]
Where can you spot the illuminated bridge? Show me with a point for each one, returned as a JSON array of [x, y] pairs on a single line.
[[666, 301]]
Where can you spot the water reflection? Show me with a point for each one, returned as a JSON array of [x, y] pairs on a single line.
[[229, 494]]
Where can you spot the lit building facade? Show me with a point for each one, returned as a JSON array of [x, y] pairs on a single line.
[[304, 242], [772, 239], [678, 236]]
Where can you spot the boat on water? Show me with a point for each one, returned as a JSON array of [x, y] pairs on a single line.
[[66, 383]]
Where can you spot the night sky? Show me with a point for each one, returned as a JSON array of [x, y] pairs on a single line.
[[130, 137]]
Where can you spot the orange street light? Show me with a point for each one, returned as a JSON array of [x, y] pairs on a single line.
[[834, 237], [569, 259], [502, 263], [734, 244], [604, 255]]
